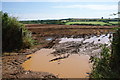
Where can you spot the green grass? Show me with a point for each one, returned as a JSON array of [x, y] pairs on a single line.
[[95, 22], [114, 22], [91, 22]]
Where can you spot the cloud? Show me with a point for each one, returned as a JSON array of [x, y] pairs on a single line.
[[60, 0], [93, 7]]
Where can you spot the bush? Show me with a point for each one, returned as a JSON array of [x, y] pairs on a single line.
[[115, 59], [14, 34], [108, 65], [101, 65]]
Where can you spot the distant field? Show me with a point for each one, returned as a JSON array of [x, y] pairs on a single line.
[[114, 22], [72, 21], [91, 22], [102, 23]]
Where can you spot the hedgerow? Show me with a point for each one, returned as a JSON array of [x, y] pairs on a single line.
[[14, 34]]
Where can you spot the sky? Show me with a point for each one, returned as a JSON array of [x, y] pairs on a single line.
[[59, 9]]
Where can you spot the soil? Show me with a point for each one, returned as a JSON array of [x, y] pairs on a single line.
[[12, 63]]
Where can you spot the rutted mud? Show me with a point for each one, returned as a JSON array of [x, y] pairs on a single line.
[[88, 45]]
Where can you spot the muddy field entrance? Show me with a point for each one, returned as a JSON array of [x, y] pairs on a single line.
[[67, 51]]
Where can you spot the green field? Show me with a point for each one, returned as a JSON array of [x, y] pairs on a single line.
[[92, 22], [114, 22], [72, 21]]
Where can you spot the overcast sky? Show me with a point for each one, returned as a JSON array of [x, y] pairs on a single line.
[[59, 9]]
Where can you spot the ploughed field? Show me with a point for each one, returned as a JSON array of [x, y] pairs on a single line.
[[62, 30], [42, 32]]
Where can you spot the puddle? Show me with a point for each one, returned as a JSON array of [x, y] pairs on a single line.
[[49, 39], [73, 67], [63, 40], [103, 39]]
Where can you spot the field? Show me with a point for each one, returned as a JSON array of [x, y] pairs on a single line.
[[62, 30], [73, 21], [114, 22], [92, 23], [41, 32]]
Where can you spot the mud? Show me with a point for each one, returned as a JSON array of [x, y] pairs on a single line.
[[74, 66], [48, 36], [12, 69], [90, 45]]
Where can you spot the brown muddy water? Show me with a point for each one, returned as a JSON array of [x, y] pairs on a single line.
[[75, 66]]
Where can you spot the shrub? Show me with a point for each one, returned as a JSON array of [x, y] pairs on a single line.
[[115, 59], [14, 34], [108, 65], [101, 67]]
